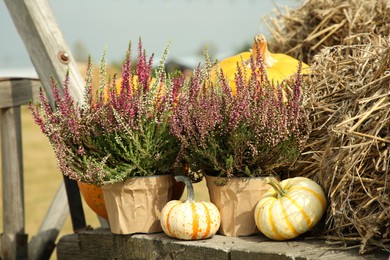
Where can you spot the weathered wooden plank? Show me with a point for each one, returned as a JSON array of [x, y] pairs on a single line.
[[68, 249], [250, 248], [12, 179], [43, 243], [45, 44], [102, 243], [18, 91]]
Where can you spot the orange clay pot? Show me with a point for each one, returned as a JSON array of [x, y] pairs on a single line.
[[93, 196]]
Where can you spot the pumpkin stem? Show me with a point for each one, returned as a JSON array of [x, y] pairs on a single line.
[[260, 46], [187, 182], [275, 184]]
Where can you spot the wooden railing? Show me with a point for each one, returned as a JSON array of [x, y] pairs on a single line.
[[14, 93], [12, 168]]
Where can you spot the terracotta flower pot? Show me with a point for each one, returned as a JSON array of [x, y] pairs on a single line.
[[134, 206], [93, 196], [236, 201]]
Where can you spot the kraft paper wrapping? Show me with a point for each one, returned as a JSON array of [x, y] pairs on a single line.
[[134, 206], [236, 201]]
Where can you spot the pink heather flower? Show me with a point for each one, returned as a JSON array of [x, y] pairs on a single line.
[[253, 132], [115, 134]]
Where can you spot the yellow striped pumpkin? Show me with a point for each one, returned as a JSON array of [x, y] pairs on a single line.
[[290, 208], [190, 220]]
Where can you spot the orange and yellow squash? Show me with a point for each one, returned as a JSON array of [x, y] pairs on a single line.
[[93, 196], [290, 208], [190, 220], [278, 66]]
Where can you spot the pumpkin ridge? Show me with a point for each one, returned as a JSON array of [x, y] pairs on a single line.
[[272, 223], [315, 194], [167, 223], [259, 211], [195, 222], [288, 221], [290, 183], [262, 204], [301, 210], [207, 232]]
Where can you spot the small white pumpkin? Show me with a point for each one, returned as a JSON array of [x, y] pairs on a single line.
[[290, 208], [190, 220]]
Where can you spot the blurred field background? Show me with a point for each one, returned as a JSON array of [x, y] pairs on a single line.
[[42, 178]]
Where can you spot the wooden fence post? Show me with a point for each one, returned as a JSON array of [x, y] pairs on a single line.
[[14, 93], [12, 178]]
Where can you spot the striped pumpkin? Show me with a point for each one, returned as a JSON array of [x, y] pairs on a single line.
[[290, 208], [190, 220]]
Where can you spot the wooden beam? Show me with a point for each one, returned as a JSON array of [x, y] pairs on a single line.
[[18, 91], [43, 243], [45, 44], [12, 179]]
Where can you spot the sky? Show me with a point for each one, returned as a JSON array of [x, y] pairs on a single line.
[[189, 25]]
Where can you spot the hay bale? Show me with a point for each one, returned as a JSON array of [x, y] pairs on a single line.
[[348, 152], [348, 94], [302, 32]]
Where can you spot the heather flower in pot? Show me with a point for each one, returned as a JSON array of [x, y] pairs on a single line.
[[119, 136], [255, 132]]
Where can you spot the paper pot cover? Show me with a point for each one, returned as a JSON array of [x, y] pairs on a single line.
[[236, 201], [134, 206]]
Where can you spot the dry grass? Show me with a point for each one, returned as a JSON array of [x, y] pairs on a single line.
[[349, 148], [304, 31], [348, 46]]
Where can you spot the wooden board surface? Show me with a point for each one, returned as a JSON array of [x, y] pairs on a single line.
[[102, 243]]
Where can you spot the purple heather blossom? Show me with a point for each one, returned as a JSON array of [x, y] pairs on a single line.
[[251, 132], [112, 137], [143, 67]]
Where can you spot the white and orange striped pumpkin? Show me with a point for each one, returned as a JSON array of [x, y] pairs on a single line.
[[290, 208], [190, 220]]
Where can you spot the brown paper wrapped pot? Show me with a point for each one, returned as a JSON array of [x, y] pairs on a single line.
[[236, 201], [134, 206]]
